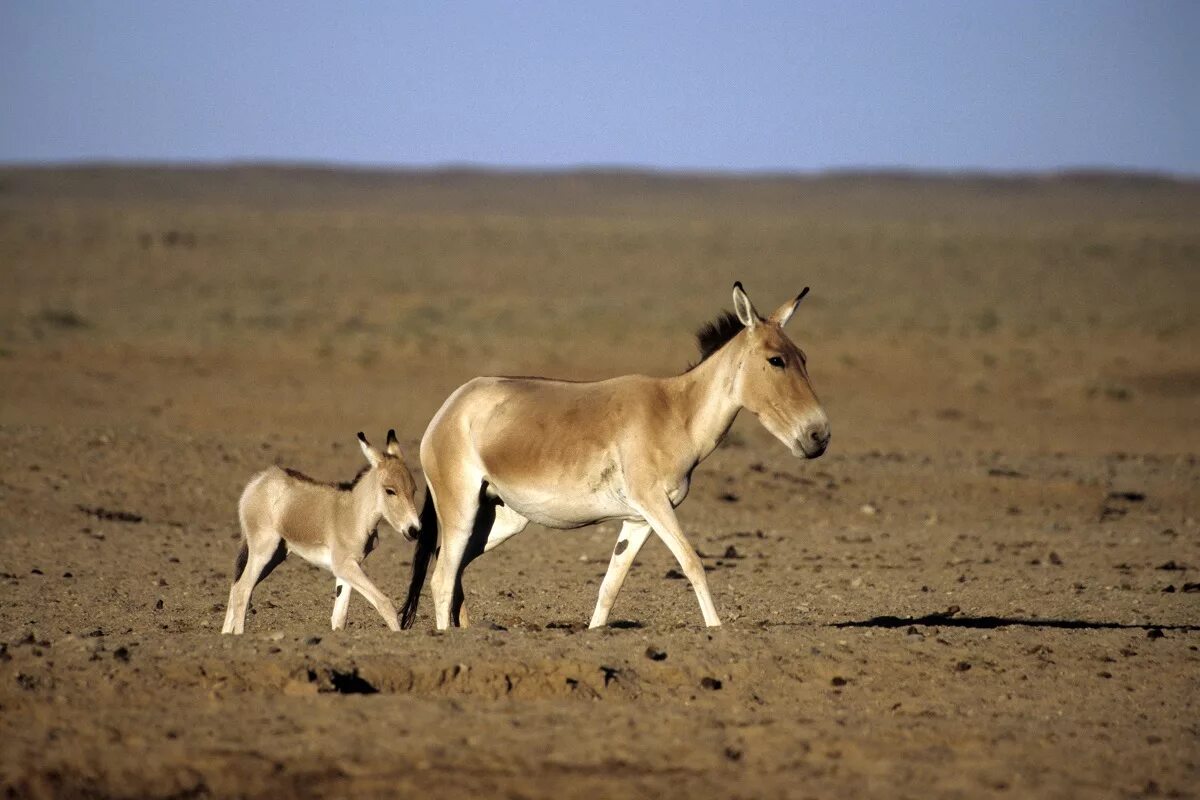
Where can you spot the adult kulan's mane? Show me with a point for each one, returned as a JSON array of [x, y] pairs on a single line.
[[342, 486], [715, 334]]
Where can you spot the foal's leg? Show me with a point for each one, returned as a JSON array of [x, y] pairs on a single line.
[[262, 546], [341, 602], [347, 569], [657, 511], [629, 541]]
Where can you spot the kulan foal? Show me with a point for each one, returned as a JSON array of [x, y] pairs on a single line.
[[332, 525]]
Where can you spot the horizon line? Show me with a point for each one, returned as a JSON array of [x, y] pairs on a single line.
[[584, 168]]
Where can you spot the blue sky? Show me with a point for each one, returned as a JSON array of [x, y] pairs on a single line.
[[725, 86]]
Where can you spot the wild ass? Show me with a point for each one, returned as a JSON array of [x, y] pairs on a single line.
[[503, 451], [331, 525]]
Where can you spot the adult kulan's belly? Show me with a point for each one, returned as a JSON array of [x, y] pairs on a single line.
[[563, 506]]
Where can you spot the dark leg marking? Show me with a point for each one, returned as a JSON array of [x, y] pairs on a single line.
[[277, 558], [337, 592], [621, 545], [239, 566]]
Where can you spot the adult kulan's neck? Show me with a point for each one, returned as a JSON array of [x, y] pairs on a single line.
[[708, 394]]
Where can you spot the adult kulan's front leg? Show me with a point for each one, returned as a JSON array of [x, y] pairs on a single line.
[[629, 541], [658, 512]]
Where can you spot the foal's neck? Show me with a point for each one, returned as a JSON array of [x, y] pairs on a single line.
[[707, 399], [362, 503]]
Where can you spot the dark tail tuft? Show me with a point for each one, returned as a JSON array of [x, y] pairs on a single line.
[[239, 566], [426, 544]]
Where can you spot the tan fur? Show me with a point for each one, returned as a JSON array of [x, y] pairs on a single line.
[[571, 454], [324, 523]]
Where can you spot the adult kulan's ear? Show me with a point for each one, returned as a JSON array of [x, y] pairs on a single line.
[[743, 307], [785, 311], [393, 445], [371, 453]]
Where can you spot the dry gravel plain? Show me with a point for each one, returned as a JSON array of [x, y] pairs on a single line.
[[988, 587]]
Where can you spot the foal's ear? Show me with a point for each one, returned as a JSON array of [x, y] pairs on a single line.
[[370, 452], [393, 445], [785, 311], [743, 307]]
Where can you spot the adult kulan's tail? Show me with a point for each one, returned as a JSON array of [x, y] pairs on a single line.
[[426, 546]]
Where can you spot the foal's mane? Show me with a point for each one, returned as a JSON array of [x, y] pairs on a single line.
[[341, 486], [713, 335]]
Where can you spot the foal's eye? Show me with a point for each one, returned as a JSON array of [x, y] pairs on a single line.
[[776, 361], [391, 491]]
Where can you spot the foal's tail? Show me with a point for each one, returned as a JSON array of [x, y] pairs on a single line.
[[426, 546]]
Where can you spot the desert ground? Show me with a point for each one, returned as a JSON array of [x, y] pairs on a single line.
[[989, 586]]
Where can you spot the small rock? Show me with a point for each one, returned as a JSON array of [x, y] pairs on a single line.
[[870, 509], [962, 666], [674, 575], [838, 680], [121, 654], [654, 654], [712, 684], [1055, 559], [1155, 633]]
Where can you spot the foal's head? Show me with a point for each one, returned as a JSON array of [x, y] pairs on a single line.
[[395, 490], [772, 374]]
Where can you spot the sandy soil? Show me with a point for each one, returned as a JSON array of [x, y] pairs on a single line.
[[989, 587]]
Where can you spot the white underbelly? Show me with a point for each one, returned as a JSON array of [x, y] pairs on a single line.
[[320, 555], [564, 510]]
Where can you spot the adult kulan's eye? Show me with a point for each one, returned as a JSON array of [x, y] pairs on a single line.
[[776, 361], [390, 491]]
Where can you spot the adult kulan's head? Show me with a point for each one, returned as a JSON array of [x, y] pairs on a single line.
[[395, 488], [771, 379]]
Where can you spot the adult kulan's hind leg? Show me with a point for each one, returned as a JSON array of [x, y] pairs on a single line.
[[341, 603], [457, 497], [263, 551], [629, 541], [505, 524]]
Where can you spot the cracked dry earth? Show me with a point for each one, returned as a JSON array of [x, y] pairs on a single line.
[[989, 587]]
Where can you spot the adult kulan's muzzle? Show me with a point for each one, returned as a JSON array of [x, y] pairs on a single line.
[[815, 439]]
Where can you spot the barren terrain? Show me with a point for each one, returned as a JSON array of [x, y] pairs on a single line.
[[988, 587]]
